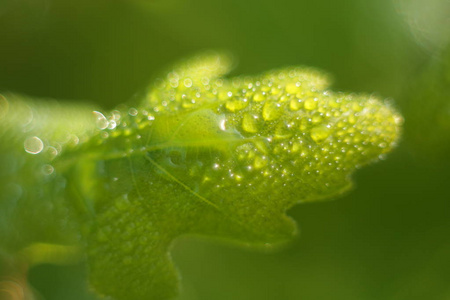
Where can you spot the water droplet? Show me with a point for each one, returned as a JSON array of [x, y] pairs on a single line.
[[116, 115], [205, 80], [295, 104], [223, 124], [271, 111], [260, 162], [310, 104], [236, 105], [100, 120], [52, 152], [316, 118], [188, 82], [357, 107], [283, 131], [320, 133], [303, 124], [352, 119], [112, 124], [250, 123], [174, 83], [47, 169], [33, 145], [258, 97], [133, 112], [296, 147]]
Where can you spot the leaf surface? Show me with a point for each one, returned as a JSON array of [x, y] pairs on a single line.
[[219, 157]]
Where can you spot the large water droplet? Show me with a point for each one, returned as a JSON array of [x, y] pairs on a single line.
[[188, 82], [250, 123], [310, 104], [271, 111], [258, 97], [295, 104], [236, 104], [100, 120], [260, 162], [47, 169], [133, 112], [33, 145], [320, 133]]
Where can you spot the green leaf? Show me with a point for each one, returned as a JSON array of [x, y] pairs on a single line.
[[200, 155], [223, 158]]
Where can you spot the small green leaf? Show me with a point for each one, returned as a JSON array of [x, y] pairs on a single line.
[[218, 157]]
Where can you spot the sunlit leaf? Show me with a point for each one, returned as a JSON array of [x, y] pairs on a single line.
[[201, 154]]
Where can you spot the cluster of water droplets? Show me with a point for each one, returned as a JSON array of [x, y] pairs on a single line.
[[45, 129], [292, 127]]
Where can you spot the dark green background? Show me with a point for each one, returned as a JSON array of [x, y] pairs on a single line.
[[389, 238]]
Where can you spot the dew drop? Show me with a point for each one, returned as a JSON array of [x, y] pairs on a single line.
[[310, 104], [271, 111], [132, 112], [303, 124], [296, 147], [352, 119], [33, 145], [188, 82], [320, 133], [112, 124], [223, 124], [295, 104], [250, 123], [100, 121], [47, 169], [316, 119], [260, 162], [236, 105], [52, 152], [258, 97], [283, 131], [205, 80], [116, 115], [174, 83]]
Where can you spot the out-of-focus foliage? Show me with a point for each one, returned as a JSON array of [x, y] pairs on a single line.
[[428, 21], [427, 104], [389, 239]]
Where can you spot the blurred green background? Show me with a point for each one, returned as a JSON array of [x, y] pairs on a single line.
[[387, 239]]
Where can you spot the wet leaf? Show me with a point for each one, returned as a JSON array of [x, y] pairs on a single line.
[[203, 155]]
